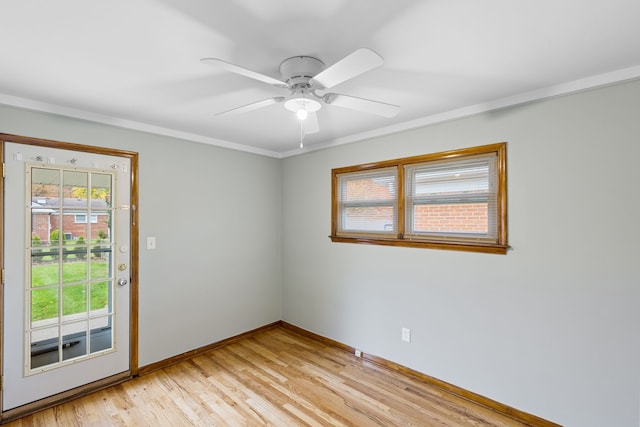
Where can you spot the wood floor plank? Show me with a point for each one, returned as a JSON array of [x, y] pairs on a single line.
[[290, 399], [273, 378]]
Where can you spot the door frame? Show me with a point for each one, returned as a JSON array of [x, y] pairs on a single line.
[[133, 306]]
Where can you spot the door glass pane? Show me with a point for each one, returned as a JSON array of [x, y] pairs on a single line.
[[43, 271], [78, 250], [71, 267], [76, 232], [45, 183], [44, 306], [100, 219], [44, 347], [101, 262], [101, 334], [45, 214], [74, 340], [74, 271], [100, 292], [101, 185], [75, 189], [74, 300]]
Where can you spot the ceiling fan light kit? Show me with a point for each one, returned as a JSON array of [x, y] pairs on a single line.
[[302, 106], [304, 75]]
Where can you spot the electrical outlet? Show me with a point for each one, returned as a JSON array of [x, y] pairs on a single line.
[[406, 334], [358, 353]]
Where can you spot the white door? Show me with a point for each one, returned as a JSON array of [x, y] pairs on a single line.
[[66, 253]]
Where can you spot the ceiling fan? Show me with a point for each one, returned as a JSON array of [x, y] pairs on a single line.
[[303, 77]]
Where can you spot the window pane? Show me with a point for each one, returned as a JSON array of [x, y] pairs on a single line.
[[453, 199], [367, 202]]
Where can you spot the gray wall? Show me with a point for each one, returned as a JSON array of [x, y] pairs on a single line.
[[550, 328], [216, 214]]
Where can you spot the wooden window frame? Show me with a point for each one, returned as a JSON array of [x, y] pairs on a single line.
[[500, 246]]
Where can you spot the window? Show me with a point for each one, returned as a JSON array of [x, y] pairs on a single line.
[[82, 219], [450, 200], [368, 203]]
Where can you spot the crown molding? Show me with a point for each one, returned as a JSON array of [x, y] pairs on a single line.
[[588, 83]]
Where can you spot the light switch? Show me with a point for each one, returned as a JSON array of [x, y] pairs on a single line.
[[151, 242]]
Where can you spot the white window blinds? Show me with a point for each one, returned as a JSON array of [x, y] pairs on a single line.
[[452, 199], [368, 202]]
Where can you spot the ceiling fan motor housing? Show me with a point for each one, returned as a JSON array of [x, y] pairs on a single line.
[[298, 70]]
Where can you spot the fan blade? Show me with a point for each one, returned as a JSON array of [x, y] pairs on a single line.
[[361, 104], [253, 106], [243, 71], [359, 62], [310, 124]]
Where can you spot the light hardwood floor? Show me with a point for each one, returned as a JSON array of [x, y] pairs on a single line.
[[276, 378]]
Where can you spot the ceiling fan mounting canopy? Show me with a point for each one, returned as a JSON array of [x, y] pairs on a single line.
[[300, 70]]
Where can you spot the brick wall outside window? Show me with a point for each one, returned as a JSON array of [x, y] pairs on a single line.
[[463, 218]]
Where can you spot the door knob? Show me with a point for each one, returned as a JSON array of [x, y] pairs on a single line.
[[122, 282]]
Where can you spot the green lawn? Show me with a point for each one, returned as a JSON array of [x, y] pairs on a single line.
[[44, 302]]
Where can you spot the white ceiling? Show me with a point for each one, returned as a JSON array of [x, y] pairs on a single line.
[[135, 63]]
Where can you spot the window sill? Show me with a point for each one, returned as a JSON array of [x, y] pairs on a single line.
[[453, 246]]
